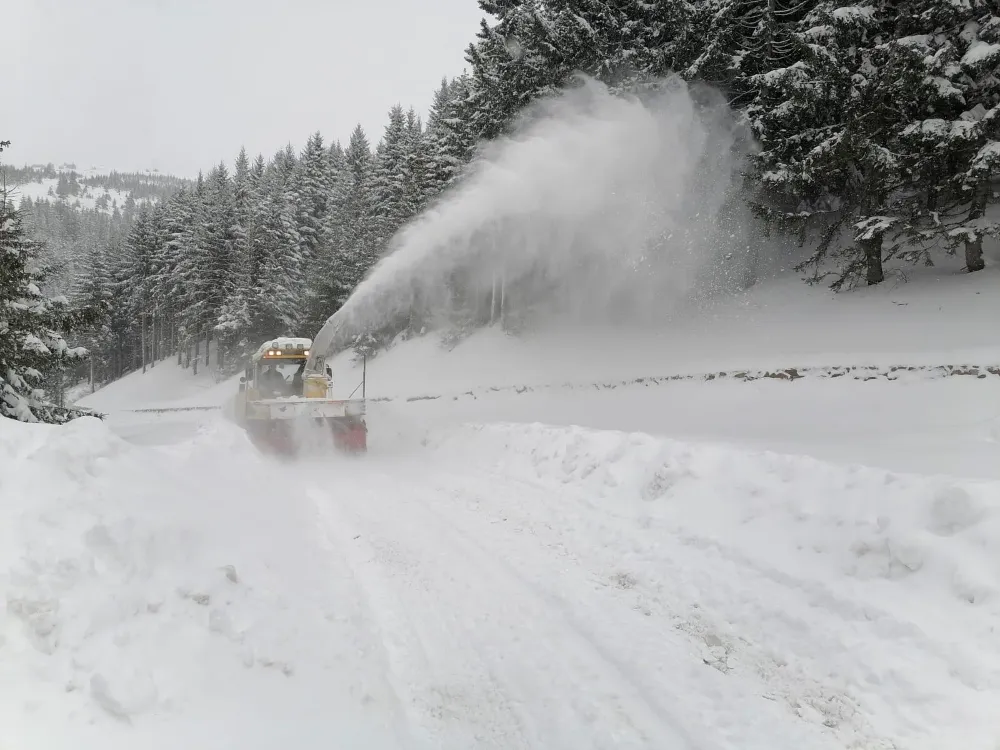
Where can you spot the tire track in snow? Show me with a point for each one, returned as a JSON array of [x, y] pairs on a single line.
[[380, 690], [419, 645], [643, 693], [623, 632], [735, 591], [444, 579]]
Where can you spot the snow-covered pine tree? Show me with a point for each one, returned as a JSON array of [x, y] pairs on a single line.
[[831, 130], [280, 295], [313, 193], [620, 42], [312, 187], [235, 318], [186, 245], [388, 181], [136, 278], [975, 30], [327, 278], [93, 291], [31, 327], [359, 249], [449, 139], [507, 69], [742, 39], [257, 175], [255, 199], [418, 166], [220, 247]]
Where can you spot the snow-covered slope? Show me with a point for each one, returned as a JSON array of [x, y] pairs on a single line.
[[87, 199], [500, 586], [938, 317], [924, 421], [576, 561], [164, 384]]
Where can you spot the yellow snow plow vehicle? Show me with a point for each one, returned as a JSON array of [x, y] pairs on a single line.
[[279, 395]]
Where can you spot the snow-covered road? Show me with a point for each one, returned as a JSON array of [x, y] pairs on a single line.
[[494, 586]]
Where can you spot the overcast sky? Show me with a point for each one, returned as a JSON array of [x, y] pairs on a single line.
[[178, 85]]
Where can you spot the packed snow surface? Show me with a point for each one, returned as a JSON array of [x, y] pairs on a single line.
[[503, 585]]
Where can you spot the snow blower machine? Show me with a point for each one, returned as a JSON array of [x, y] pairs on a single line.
[[285, 401]]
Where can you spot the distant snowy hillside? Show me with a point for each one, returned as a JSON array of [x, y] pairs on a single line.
[[88, 199], [87, 189]]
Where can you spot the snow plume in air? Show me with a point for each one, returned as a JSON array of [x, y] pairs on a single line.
[[598, 208]]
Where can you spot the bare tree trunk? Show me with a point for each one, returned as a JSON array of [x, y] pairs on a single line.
[[503, 299], [872, 248], [208, 341], [493, 301], [751, 268], [974, 260], [142, 339], [92, 388], [974, 247], [197, 353]]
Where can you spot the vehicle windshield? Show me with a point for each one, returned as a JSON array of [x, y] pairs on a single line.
[[285, 367], [271, 370]]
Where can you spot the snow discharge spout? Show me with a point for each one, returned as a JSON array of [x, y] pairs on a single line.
[[599, 206]]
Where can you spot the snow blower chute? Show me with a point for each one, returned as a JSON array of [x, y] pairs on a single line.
[[287, 392]]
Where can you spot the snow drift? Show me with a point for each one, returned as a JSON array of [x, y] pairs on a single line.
[[489, 586], [849, 595]]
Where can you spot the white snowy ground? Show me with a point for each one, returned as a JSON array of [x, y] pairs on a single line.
[[86, 200], [688, 565]]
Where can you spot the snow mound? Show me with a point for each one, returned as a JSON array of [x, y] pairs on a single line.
[[139, 603], [854, 594], [521, 585]]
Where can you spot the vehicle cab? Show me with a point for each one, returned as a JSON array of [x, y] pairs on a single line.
[[275, 371]]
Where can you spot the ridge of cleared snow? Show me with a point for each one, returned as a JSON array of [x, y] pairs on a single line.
[[492, 586]]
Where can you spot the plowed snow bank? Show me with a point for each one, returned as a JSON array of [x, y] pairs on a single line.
[[863, 599], [495, 586], [167, 598]]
